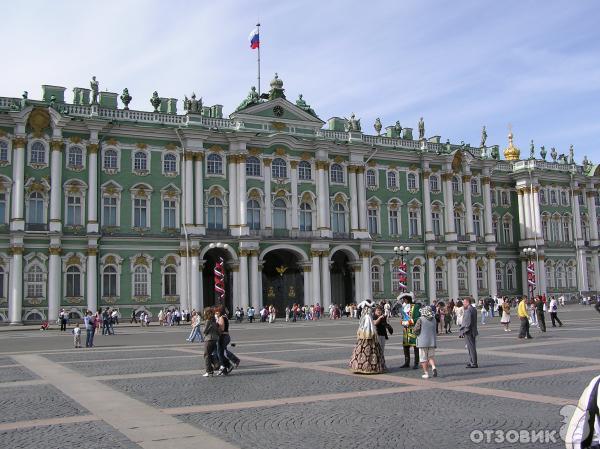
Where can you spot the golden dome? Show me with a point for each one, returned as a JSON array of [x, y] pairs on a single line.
[[511, 153]]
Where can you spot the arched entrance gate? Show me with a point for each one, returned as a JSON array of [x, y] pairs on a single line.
[[282, 280]]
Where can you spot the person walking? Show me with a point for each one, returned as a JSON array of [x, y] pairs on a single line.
[[133, 317], [425, 329], [227, 359], [250, 313], [539, 310], [196, 331], [485, 310], [524, 318], [90, 328], [469, 330], [505, 320], [63, 316], [211, 337], [554, 312], [459, 313], [381, 325]]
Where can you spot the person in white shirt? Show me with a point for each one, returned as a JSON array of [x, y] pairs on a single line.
[[554, 312], [583, 430], [77, 336]]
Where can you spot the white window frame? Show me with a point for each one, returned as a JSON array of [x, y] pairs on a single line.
[[252, 174], [38, 165], [415, 177], [75, 167], [141, 171], [81, 269], [375, 176], [302, 166], [117, 169], [392, 175], [417, 281], [475, 190], [170, 173], [45, 201], [434, 179], [417, 210], [8, 144], [279, 169], [376, 278], [148, 266], [136, 194], [394, 208], [343, 213], [174, 273], [116, 195]]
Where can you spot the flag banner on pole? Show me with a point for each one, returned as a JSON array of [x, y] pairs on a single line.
[[254, 39]]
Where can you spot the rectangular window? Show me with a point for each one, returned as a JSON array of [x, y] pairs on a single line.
[[74, 211], [2, 208], [480, 280], [413, 223], [499, 279], [507, 232], [169, 214], [394, 228], [109, 207], [435, 221], [139, 213], [373, 224]]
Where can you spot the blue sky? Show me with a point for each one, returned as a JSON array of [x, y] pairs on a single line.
[[460, 65]]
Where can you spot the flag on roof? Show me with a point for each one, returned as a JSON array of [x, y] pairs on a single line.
[[253, 38]]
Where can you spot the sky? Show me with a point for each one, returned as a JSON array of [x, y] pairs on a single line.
[[533, 65]]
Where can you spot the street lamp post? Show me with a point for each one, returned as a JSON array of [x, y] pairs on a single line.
[[530, 254], [400, 252]]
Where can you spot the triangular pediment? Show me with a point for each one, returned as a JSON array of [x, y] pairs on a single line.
[[279, 110]]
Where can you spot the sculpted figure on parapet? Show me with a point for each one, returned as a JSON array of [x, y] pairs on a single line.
[[94, 85]]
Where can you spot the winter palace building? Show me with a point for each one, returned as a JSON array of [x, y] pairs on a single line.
[[106, 206]]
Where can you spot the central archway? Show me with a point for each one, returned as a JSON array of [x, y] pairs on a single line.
[[282, 280]]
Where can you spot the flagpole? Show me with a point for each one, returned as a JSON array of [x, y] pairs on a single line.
[[258, 28]]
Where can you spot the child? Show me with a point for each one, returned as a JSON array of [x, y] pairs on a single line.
[[77, 336]]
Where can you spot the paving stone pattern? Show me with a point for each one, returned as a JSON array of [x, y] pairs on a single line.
[[36, 402], [88, 435], [15, 373], [240, 387]]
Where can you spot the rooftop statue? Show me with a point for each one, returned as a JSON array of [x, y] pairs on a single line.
[[543, 152], [531, 150], [352, 124], [553, 154], [192, 105], [571, 155], [94, 85], [301, 103], [421, 128], [378, 126], [483, 137], [398, 128], [24, 99], [126, 98], [155, 101], [495, 153], [250, 100], [587, 165]]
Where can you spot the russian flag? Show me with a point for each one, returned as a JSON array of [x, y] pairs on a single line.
[[253, 38]]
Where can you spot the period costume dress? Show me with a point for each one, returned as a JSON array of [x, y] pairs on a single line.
[[367, 356]]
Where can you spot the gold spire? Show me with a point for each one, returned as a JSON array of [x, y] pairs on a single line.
[[511, 153]]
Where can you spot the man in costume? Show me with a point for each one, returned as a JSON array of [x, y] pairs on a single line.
[[410, 315]]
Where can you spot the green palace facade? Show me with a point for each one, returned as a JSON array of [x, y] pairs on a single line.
[[106, 206]]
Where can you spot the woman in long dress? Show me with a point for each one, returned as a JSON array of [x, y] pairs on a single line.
[[367, 356]]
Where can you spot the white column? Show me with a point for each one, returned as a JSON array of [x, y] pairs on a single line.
[[242, 196], [492, 287], [366, 274], [92, 206], [527, 206], [541, 276], [468, 207], [92, 279], [54, 272], [321, 195], [325, 280], [18, 190], [200, 299], [582, 276], [235, 289], [233, 193], [199, 189], [591, 203], [189, 188], [316, 278], [353, 198], [537, 220], [431, 277], [362, 200], [472, 275], [452, 276], [184, 284], [327, 215], [307, 287], [449, 207], [267, 189], [244, 300], [56, 189], [521, 203], [427, 207], [15, 296], [260, 286], [195, 284], [596, 268], [487, 209], [357, 281], [294, 184], [577, 217], [254, 274]]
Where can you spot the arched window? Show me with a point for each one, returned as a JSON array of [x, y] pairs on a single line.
[[111, 160], [393, 220], [545, 228], [542, 196], [510, 278], [439, 279], [434, 183], [412, 181], [75, 157], [253, 214], [417, 280], [73, 282], [109, 281], [560, 277], [170, 281], [140, 213], [215, 213], [338, 218], [371, 178], [304, 171], [461, 274], [553, 197], [38, 153], [170, 164], [252, 166], [570, 276], [3, 151], [455, 185], [140, 281], [507, 231], [474, 186], [564, 200], [35, 282], [496, 229], [109, 210], [337, 173], [140, 161], [279, 214], [376, 278], [36, 208], [305, 217], [279, 168], [392, 180], [550, 277], [214, 164]]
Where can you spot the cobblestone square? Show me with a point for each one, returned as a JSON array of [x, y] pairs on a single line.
[[144, 388]]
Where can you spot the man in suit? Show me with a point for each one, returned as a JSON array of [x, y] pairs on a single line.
[[468, 329]]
